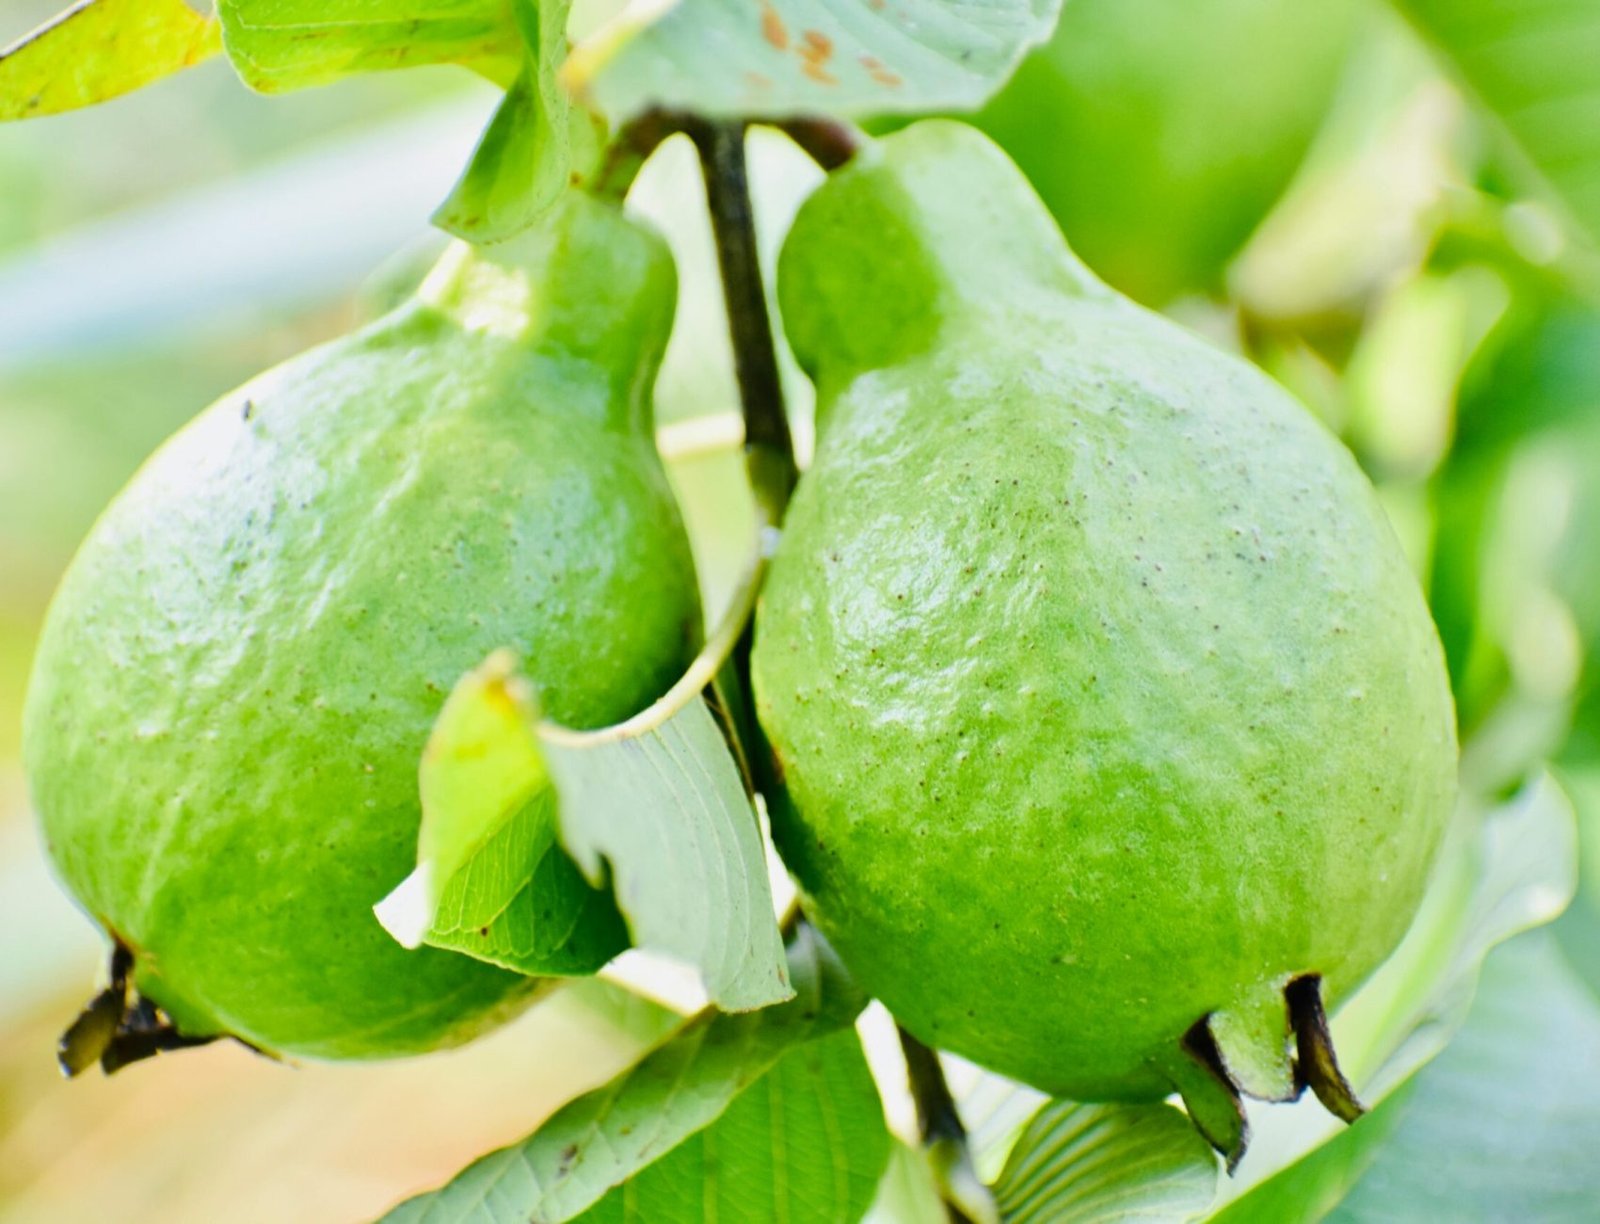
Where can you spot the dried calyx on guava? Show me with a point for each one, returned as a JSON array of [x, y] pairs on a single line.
[[240, 670], [1115, 735]]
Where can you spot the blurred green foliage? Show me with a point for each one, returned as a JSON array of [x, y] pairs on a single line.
[[195, 128], [1161, 134], [1516, 577]]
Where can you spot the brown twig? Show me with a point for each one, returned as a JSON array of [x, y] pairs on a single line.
[[966, 1199], [769, 450], [631, 148], [827, 142]]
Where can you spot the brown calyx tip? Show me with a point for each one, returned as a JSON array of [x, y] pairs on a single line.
[[1212, 1093], [1213, 1099], [119, 1026], [1316, 1065]]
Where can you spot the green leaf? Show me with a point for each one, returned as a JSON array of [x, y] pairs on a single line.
[[1095, 1162], [280, 45], [805, 1144], [537, 144], [657, 802], [1311, 1188], [1517, 559], [783, 57], [600, 1140], [100, 49], [1533, 67], [493, 881], [481, 765], [555, 921]]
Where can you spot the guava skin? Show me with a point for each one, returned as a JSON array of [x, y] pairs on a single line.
[[240, 670], [1103, 696]]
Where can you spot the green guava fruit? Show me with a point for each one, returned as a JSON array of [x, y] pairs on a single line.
[[239, 672], [1161, 133], [1105, 702]]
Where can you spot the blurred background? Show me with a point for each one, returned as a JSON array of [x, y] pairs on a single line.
[[1298, 182]]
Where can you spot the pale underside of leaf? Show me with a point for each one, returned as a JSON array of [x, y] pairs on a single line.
[[668, 812], [1098, 1162], [1524, 874], [100, 49], [1505, 1124], [783, 57], [662, 817]]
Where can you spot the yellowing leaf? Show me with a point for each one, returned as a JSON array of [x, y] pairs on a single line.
[[99, 49]]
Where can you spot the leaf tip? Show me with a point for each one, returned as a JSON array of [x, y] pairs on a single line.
[[407, 912]]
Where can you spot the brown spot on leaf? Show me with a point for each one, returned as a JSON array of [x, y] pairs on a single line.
[[816, 46], [876, 70], [772, 27], [815, 50], [756, 81]]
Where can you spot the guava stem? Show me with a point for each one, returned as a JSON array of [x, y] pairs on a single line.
[[937, 1117], [967, 1200], [1316, 1065], [769, 450]]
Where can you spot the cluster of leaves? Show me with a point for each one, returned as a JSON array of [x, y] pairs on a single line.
[[761, 1104]]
